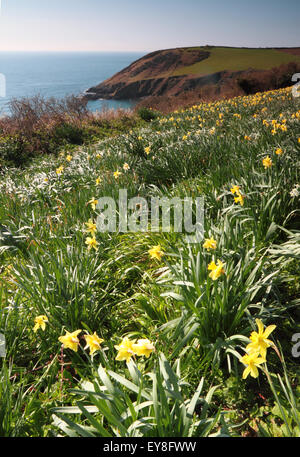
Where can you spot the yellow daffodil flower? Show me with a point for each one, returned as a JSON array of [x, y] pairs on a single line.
[[260, 341], [143, 347], [279, 151], [156, 252], [93, 203], [240, 199], [267, 162], [98, 181], [125, 350], [93, 342], [92, 243], [40, 322], [126, 167], [252, 360], [147, 150], [235, 190], [216, 270], [69, 158], [70, 340], [91, 227], [59, 170], [210, 244], [117, 174]]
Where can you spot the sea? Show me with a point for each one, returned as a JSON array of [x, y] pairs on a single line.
[[25, 74]]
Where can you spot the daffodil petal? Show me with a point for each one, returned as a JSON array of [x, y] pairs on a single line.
[[269, 330], [260, 326], [246, 372]]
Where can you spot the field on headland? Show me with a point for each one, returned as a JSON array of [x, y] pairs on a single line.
[[141, 333], [238, 59]]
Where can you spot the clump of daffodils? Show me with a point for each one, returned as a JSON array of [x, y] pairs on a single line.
[[71, 341], [256, 351], [129, 348]]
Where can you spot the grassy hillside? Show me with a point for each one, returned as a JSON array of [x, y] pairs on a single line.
[[238, 59], [70, 295]]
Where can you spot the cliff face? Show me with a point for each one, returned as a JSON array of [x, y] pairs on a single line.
[[150, 75], [172, 86], [173, 72]]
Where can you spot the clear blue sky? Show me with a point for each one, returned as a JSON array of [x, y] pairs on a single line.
[[146, 25]]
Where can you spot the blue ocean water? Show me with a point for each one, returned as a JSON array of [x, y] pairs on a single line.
[[60, 74]]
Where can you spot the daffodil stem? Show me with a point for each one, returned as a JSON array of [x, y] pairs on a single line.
[[277, 399], [61, 371]]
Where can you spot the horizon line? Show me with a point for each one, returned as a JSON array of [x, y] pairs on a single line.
[[144, 51]]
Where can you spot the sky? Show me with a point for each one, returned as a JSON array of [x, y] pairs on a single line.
[[146, 25]]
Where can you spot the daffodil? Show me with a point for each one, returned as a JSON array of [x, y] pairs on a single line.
[[252, 360], [156, 252], [235, 190], [70, 340], [69, 158], [59, 170], [267, 162], [147, 150], [143, 347], [92, 243], [93, 342], [91, 227], [117, 174], [259, 341], [126, 167], [240, 199], [279, 151], [210, 244], [216, 270], [125, 350], [40, 322], [98, 181], [93, 203]]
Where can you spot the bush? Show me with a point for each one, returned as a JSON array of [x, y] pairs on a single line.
[[13, 151], [69, 133], [146, 114]]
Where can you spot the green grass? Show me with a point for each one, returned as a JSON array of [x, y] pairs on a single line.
[[199, 326], [237, 59]]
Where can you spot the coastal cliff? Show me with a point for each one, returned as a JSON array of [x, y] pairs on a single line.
[[173, 72]]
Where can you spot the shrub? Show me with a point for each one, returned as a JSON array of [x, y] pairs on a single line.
[[147, 114]]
